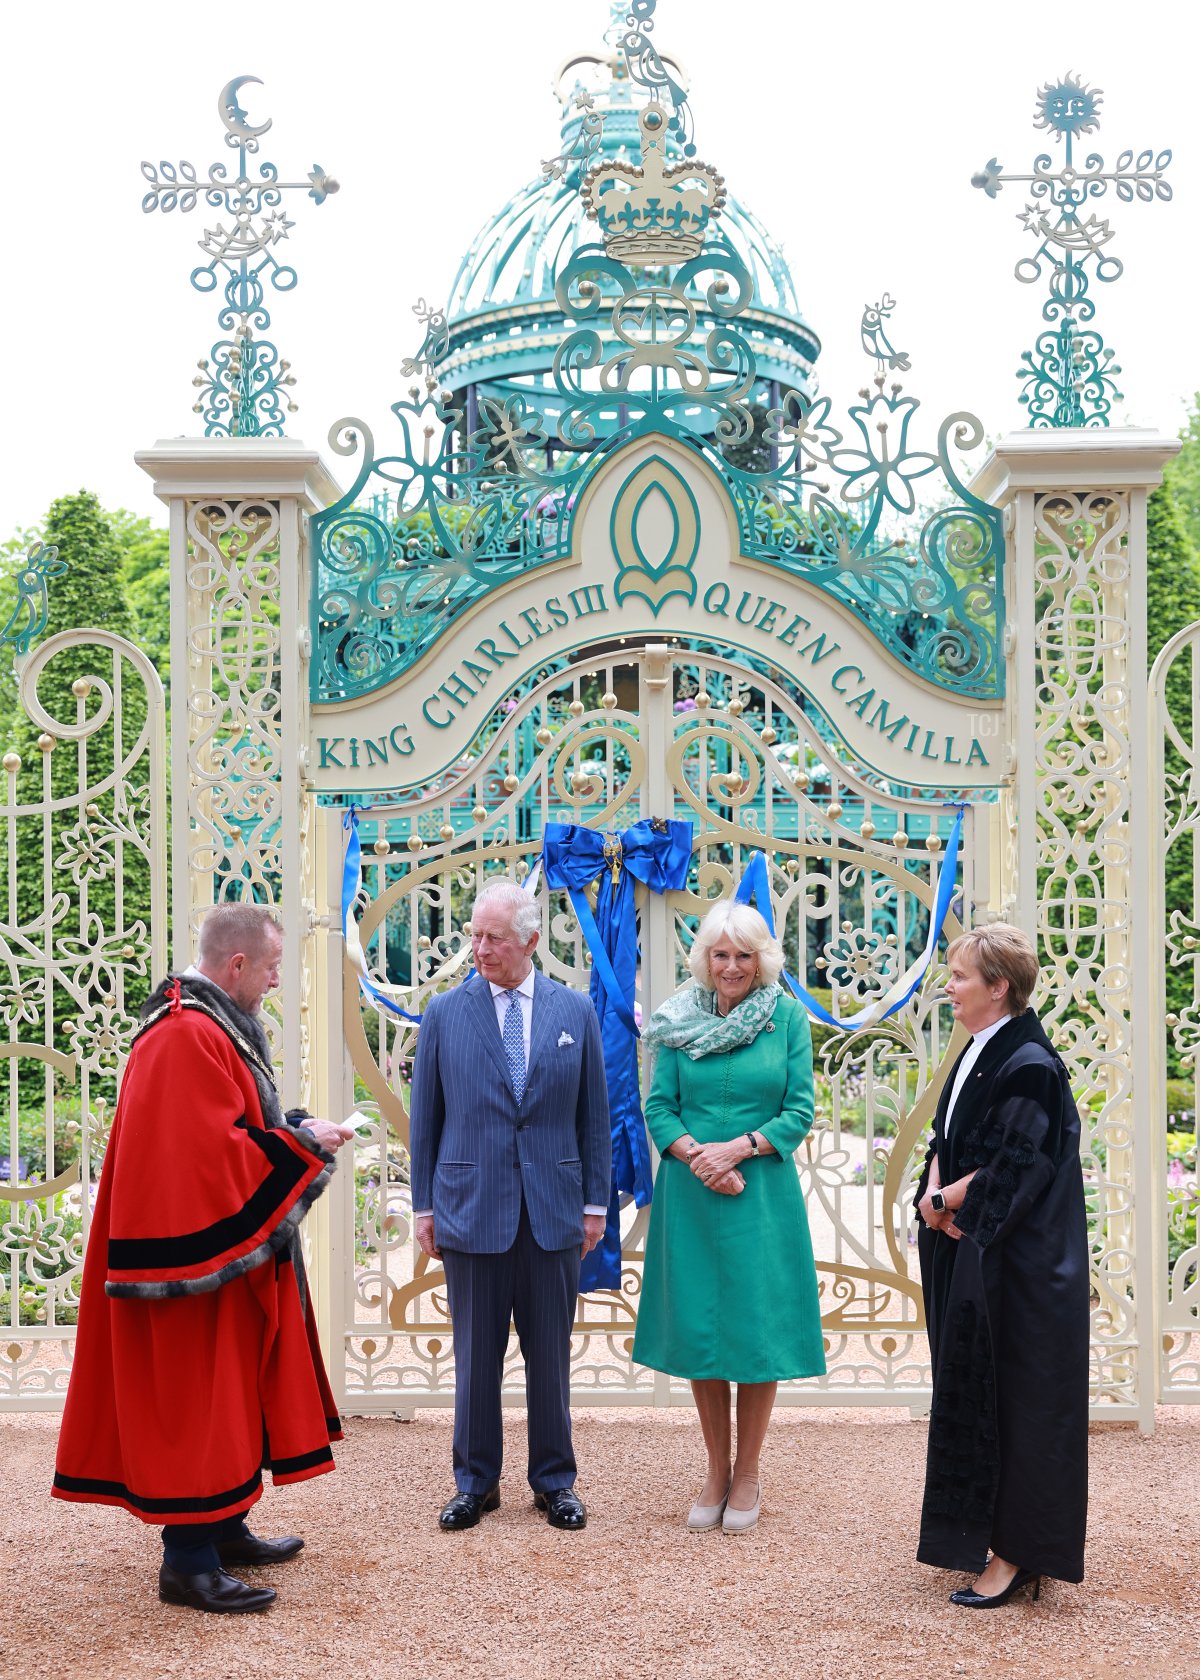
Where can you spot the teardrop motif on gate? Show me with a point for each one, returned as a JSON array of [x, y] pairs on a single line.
[[655, 533]]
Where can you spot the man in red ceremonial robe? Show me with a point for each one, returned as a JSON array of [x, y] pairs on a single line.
[[197, 1363]]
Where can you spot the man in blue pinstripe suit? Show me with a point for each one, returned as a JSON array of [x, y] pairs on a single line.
[[511, 1158]]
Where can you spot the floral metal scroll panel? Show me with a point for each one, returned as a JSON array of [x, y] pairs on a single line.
[[854, 876], [82, 829], [1178, 707], [234, 724], [1082, 680]]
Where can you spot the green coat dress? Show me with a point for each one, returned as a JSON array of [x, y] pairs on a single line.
[[729, 1287]]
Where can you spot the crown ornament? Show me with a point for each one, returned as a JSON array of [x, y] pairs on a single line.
[[653, 213]]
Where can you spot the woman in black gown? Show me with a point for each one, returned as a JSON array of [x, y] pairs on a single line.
[[1004, 1266]]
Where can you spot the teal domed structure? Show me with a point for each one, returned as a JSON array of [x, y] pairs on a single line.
[[504, 322]]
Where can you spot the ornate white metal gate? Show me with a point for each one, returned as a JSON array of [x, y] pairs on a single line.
[[1175, 936], [83, 932], [662, 732]]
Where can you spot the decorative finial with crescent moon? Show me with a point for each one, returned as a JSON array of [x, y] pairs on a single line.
[[241, 132], [244, 383]]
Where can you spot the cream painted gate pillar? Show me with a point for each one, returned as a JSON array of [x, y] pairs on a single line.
[[242, 816], [1074, 834]]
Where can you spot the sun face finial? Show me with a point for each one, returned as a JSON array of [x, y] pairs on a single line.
[[1067, 107]]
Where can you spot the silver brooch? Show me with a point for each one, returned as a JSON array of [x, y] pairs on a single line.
[[770, 1026]]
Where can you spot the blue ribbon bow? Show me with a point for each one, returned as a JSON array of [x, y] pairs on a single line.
[[658, 854]]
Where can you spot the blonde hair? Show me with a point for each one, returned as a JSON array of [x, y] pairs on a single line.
[[1001, 952], [748, 931]]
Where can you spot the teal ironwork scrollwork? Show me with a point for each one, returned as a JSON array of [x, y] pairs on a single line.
[[473, 496], [461, 520]]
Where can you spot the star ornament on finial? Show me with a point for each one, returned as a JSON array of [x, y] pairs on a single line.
[[1067, 379]]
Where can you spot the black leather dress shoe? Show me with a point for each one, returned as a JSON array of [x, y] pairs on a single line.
[[465, 1509], [212, 1591], [563, 1508], [248, 1548]]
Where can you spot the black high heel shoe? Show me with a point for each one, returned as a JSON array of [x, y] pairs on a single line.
[[971, 1600]]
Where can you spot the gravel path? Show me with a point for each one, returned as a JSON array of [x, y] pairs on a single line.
[[826, 1586]]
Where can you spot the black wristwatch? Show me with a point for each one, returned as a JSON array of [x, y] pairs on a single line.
[[753, 1142], [937, 1201]]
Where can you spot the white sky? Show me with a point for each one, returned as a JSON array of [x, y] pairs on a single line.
[[852, 130]]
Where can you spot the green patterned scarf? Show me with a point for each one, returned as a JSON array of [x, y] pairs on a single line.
[[689, 1021]]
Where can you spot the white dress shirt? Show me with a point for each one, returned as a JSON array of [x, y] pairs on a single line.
[[974, 1051], [525, 1003]]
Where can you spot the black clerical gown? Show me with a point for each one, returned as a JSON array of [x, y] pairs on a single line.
[[1008, 1314]]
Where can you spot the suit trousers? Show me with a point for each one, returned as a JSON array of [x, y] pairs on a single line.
[[536, 1288], [191, 1548]]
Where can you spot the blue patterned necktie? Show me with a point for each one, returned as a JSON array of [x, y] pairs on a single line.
[[514, 1044]]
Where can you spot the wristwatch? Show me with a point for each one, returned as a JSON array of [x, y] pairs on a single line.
[[937, 1201], [753, 1142]]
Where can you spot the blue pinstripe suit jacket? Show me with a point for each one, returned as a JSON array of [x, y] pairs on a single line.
[[475, 1152]]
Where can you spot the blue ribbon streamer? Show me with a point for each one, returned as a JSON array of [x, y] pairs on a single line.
[[351, 884], [658, 854], [755, 884]]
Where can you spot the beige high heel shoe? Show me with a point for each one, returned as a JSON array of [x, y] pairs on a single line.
[[702, 1517], [738, 1522]]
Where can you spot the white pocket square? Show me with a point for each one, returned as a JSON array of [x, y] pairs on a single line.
[[564, 1038]]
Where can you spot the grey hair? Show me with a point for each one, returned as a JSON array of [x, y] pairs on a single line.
[[230, 929], [525, 913], [748, 930]]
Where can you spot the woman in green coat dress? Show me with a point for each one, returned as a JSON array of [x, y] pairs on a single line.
[[729, 1291]]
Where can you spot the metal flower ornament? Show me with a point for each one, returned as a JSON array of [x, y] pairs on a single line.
[[1068, 378], [243, 384]]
